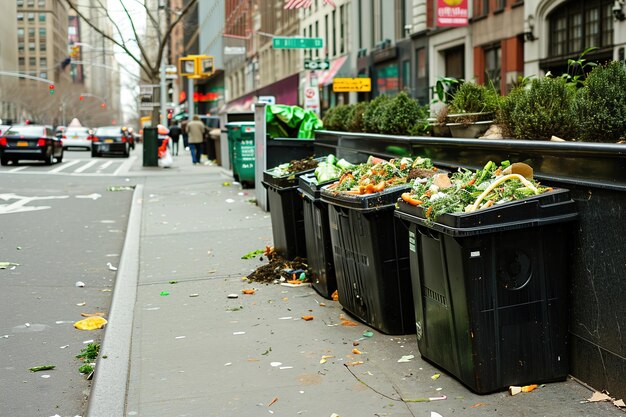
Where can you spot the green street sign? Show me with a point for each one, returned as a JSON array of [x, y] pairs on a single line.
[[297, 43]]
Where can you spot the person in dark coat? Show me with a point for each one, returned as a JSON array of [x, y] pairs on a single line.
[[175, 132], [183, 127]]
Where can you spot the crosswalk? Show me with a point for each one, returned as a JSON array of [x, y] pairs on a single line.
[[82, 166]]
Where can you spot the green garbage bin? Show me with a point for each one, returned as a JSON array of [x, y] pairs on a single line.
[[233, 133], [150, 147], [244, 153]]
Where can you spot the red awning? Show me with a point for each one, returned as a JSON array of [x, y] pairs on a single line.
[[327, 76]]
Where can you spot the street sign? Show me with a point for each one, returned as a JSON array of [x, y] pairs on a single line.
[[146, 89], [267, 99], [234, 50], [312, 99], [344, 85], [297, 43], [316, 64]]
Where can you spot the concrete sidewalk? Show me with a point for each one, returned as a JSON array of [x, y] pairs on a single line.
[[196, 352]]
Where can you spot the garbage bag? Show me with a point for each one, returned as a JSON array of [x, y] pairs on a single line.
[[291, 122]]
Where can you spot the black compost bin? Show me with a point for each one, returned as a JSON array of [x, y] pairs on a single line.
[[371, 259], [286, 212], [490, 290], [317, 236]]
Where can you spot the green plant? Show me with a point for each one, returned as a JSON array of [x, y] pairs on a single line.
[[545, 109], [504, 114], [578, 69], [357, 122], [374, 112], [400, 114], [335, 118], [601, 104], [474, 98], [327, 119], [445, 88]]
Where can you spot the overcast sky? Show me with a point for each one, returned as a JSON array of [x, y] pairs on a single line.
[[136, 10]]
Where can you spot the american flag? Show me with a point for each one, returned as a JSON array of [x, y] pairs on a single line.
[[299, 4]]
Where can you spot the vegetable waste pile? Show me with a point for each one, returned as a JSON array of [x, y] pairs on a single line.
[[466, 191], [377, 175], [279, 269], [294, 166]]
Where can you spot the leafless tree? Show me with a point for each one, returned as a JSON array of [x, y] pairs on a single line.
[[147, 49]]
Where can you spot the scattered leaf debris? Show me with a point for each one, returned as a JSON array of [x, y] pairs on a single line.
[[41, 368]]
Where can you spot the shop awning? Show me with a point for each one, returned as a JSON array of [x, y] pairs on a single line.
[[327, 76]]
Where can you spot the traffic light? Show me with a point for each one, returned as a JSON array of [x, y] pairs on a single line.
[[170, 114], [51, 88]]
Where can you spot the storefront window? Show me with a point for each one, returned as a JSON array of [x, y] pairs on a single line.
[[387, 79]]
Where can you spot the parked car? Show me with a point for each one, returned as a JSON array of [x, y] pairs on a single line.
[[4, 128], [30, 142], [77, 137], [109, 139]]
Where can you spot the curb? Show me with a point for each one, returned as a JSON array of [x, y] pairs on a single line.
[[108, 392]]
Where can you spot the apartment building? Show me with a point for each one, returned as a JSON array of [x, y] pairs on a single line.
[[42, 38], [8, 61]]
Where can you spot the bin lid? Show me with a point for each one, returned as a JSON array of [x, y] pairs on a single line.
[[365, 202], [552, 207], [239, 124]]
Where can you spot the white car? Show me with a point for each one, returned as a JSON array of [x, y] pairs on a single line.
[[77, 137]]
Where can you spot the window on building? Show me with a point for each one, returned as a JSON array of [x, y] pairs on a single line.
[[20, 34], [334, 36], [326, 38], [20, 46], [481, 8], [20, 3], [317, 35], [493, 66], [31, 17], [32, 61], [499, 5], [406, 74], [31, 34], [42, 17], [342, 29], [20, 17], [42, 33], [31, 3], [42, 3], [21, 61], [43, 61], [31, 46], [43, 75], [42, 46], [578, 26]]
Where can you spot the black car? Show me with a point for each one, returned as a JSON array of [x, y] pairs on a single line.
[[30, 142], [110, 139]]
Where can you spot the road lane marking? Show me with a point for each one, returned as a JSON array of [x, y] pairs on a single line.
[[17, 169], [64, 165], [86, 166], [125, 167], [20, 204]]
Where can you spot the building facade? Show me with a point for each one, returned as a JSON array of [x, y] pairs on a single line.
[[8, 61]]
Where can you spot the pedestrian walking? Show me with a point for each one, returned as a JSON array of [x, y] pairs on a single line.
[[183, 128], [195, 130], [175, 132]]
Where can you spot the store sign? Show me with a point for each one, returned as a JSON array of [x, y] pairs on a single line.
[[452, 13], [345, 85]]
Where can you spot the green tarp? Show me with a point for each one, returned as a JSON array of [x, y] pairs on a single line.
[[291, 122]]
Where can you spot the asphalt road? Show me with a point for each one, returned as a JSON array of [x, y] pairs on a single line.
[[60, 230]]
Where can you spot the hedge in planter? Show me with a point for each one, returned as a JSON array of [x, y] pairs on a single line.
[[338, 118], [545, 109], [601, 104], [373, 114], [401, 114], [474, 98]]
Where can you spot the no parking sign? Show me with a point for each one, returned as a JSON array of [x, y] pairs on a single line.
[[312, 99]]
